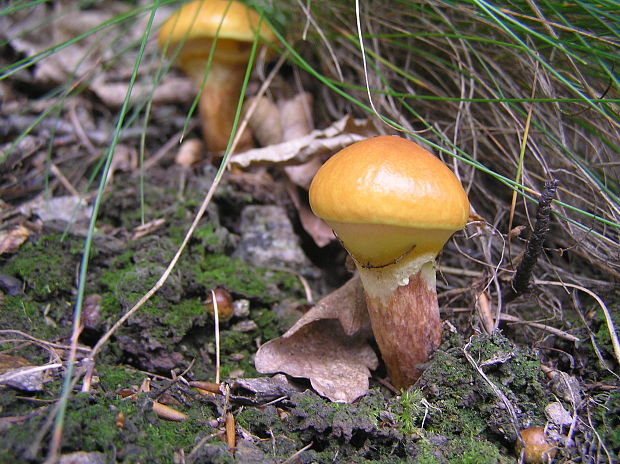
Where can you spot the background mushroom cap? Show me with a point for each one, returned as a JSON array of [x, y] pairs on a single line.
[[389, 180], [196, 23]]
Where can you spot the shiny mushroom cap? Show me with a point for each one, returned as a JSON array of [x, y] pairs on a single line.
[[196, 23], [386, 197]]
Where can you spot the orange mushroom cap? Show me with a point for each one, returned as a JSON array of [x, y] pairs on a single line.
[[386, 196], [197, 23]]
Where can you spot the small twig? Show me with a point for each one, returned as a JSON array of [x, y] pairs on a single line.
[[521, 281], [42, 342], [156, 393], [200, 444], [538, 325], [64, 181], [231, 434], [608, 319], [292, 457]]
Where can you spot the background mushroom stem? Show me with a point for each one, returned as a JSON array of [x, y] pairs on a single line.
[[403, 309], [218, 104]]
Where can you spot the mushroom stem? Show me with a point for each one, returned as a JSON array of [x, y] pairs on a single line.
[[218, 104], [404, 313]]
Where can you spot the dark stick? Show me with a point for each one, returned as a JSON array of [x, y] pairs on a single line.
[[521, 281]]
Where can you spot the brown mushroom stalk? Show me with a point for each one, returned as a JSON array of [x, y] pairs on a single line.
[[218, 104], [393, 206], [402, 300], [192, 30]]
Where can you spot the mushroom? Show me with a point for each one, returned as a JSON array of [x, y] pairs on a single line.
[[393, 205], [534, 446], [192, 30], [224, 303]]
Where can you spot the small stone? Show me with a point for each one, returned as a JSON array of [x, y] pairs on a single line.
[[245, 326], [82, 457], [566, 387], [268, 240], [556, 413], [236, 373], [241, 308]]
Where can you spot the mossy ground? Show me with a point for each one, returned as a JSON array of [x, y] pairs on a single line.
[[452, 416]]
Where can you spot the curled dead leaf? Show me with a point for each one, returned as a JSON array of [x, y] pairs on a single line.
[[320, 232], [296, 116], [328, 345], [264, 121], [327, 141], [11, 240]]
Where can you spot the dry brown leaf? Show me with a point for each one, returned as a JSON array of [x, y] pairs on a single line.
[[72, 60], [320, 232], [11, 240], [68, 209], [296, 116], [485, 312], [171, 90], [302, 174], [337, 136], [190, 152], [328, 345], [264, 121]]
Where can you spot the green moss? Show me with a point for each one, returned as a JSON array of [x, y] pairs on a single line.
[[210, 237], [90, 425], [462, 402], [475, 452], [113, 377], [425, 453], [435, 450], [185, 314], [606, 413], [41, 320], [336, 429], [232, 341], [47, 266], [260, 420], [269, 324], [459, 418], [234, 275], [410, 414]]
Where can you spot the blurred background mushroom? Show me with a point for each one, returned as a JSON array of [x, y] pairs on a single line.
[[228, 28]]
